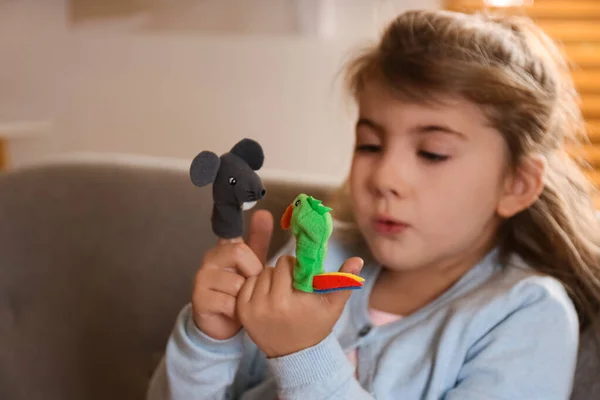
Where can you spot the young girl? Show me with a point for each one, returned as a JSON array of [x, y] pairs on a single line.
[[480, 239]]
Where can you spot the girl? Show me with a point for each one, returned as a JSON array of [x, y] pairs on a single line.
[[480, 239]]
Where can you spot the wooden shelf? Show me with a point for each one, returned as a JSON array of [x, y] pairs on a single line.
[[24, 129], [587, 80], [16, 130], [590, 153], [3, 160], [543, 9], [583, 55], [594, 176], [572, 31], [590, 106], [593, 130]]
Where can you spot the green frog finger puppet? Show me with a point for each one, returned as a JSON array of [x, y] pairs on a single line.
[[311, 224]]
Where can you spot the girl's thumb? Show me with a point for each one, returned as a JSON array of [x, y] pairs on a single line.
[[259, 236], [352, 265], [339, 298]]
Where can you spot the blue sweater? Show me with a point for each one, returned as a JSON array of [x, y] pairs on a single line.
[[500, 333]]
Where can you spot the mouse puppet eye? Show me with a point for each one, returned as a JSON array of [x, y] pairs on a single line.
[[232, 180], [297, 203]]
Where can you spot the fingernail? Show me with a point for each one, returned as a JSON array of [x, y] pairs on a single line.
[[359, 268]]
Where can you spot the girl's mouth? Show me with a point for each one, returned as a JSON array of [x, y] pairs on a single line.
[[388, 226]]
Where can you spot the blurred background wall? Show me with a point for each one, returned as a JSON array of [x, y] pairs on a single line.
[[172, 78]]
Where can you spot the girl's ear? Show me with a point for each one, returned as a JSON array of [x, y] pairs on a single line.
[[522, 187]]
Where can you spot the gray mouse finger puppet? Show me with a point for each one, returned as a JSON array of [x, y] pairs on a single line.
[[236, 185]]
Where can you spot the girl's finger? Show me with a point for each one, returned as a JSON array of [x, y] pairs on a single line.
[[223, 281], [263, 284], [234, 255], [219, 303], [338, 299], [353, 265], [260, 232], [283, 277], [222, 241], [246, 292]]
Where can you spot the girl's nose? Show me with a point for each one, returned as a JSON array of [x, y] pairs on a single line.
[[387, 178]]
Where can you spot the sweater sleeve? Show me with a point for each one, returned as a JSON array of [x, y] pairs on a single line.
[[195, 366], [321, 372], [530, 354]]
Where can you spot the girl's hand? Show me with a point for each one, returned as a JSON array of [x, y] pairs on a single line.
[[282, 320], [224, 270]]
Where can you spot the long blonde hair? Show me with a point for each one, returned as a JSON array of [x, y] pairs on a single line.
[[519, 77]]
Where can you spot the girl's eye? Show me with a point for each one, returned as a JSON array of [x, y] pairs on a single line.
[[433, 157], [368, 148]]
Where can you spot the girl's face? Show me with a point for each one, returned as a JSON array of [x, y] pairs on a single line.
[[425, 180]]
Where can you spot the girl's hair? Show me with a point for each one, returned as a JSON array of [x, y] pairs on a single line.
[[521, 81]]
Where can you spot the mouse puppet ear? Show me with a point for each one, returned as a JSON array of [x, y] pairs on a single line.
[[204, 168], [251, 152]]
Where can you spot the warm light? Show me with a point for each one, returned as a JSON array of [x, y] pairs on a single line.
[[508, 3]]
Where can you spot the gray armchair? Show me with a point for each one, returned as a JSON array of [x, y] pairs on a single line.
[[96, 260]]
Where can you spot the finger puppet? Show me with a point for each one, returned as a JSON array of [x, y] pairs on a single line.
[[311, 224], [236, 186]]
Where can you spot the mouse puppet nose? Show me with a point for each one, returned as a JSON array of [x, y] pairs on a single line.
[[263, 192]]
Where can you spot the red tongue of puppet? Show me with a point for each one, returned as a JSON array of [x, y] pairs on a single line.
[[286, 219]]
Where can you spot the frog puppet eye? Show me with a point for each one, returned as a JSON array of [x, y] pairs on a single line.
[[297, 203]]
